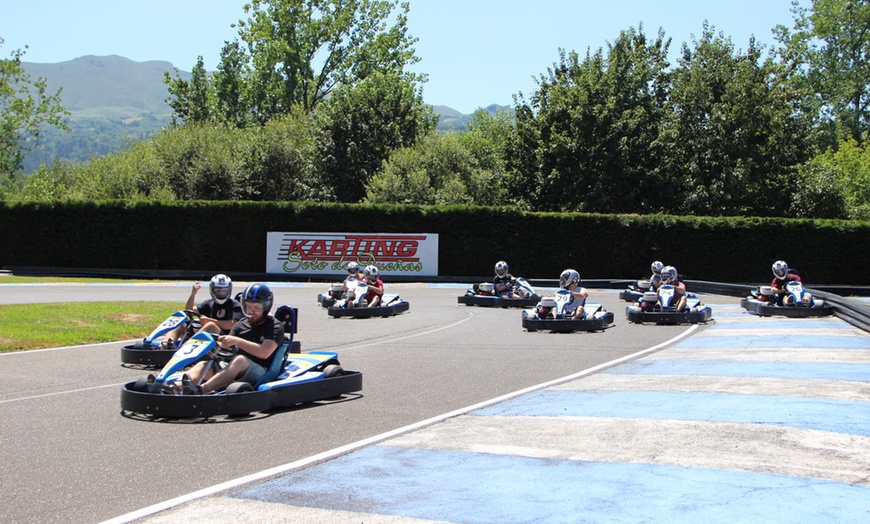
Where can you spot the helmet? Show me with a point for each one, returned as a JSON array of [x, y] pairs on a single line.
[[258, 294], [501, 268], [780, 269], [568, 277], [657, 267], [352, 267], [669, 274], [371, 273], [220, 287]]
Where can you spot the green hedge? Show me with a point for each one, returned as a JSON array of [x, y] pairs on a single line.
[[231, 237]]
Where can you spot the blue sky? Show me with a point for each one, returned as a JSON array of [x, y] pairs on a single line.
[[476, 52]]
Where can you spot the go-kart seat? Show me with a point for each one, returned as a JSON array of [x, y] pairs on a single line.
[[288, 317]]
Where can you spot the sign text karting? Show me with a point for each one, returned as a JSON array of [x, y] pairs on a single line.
[[319, 253]]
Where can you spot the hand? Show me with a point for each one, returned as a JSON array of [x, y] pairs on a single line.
[[196, 287], [224, 341]]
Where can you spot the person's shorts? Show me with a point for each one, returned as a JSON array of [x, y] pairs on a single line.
[[254, 373]]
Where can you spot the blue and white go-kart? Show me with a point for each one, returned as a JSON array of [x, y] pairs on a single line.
[[354, 304], [290, 379], [332, 295], [550, 315], [661, 307], [148, 352], [801, 303], [485, 295], [634, 292]]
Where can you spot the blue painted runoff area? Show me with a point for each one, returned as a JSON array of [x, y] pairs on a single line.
[[735, 368], [778, 341], [838, 416], [457, 486], [791, 323]]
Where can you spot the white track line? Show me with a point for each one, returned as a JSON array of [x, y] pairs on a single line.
[[62, 392], [343, 450]]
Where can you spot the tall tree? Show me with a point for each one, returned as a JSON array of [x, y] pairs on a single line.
[[733, 138], [362, 124], [296, 52], [25, 109], [830, 42], [592, 125]]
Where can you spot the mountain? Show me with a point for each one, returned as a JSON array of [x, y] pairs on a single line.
[[114, 99], [108, 86]]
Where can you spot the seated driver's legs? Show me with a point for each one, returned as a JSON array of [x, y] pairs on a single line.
[[374, 301], [237, 368]]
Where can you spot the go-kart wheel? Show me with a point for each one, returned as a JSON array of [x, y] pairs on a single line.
[[141, 385], [239, 387], [333, 371]]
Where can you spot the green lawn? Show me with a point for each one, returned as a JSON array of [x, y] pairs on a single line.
[[35, 326]]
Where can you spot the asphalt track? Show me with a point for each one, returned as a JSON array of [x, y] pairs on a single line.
[[748, 419], [69, 455], [752, 420]]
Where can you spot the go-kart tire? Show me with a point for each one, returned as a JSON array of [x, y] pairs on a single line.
[[239, 387], [141, 384], [333, 370]]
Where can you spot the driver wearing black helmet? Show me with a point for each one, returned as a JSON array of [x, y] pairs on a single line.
[[256, 337]]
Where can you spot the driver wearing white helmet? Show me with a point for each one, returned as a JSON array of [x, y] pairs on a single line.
[[217, 314], [376, 286], [670, 277], [504, 281], [782, 275], [570, 280]]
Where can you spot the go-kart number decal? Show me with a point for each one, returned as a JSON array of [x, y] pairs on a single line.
[[193, 347], [171, 322]]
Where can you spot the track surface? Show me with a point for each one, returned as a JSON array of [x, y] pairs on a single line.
[[69, 455]]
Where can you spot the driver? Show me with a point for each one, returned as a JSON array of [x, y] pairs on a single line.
[[670, 277], [656, 278], [782, 275], [353, 273], [256, 337], [570, 281], [376, 286], [218, 314], [503, 280]]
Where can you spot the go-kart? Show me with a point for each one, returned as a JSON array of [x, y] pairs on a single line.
[[148, 351], [661, 307], [289, 380], [762, 301], [354, 304], [485, 295], [335, 292], [595, 318], [634, 292]]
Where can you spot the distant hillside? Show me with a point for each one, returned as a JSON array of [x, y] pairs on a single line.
[[114, 100], [108, 86]]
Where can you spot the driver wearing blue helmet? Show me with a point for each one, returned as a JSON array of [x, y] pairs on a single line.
[[256, 337]]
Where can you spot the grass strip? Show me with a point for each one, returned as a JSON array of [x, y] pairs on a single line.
[[38, 326]]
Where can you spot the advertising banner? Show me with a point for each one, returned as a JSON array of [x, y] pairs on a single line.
[[407, 254]]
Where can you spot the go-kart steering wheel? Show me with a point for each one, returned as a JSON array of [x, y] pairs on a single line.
[[226, 354]]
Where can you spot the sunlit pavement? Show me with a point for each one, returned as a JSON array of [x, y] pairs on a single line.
[[752, 419]]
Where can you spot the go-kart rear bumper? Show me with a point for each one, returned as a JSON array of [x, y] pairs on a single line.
[[636, 315], [204, 406], [766, 309], [567, 325], [490, 301], [368, 312]]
